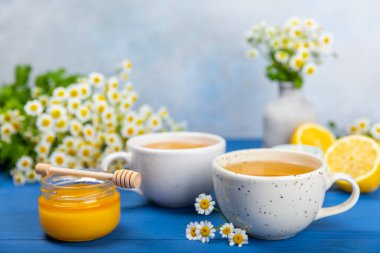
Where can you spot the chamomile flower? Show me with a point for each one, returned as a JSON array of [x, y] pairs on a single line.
[[70, 142], [304, 54], [293, 22], [31, 176], [18, 178], [98, 98], [83, 113], [73, 91], [113, 83], [85, 151], [310, 24], [61, 125], [275, 44], [7, 130], [191, 231], [281, 56], [140, 130], [45, 122], [113, 96], [112, 139], [85, 90], [59, 159], [48, 137], [126, 65], [33, 108], [145, 111], [128, 130], [73, 105], [124, 76], [253, 53], [24, 163], [226, 230], [89, 132], [326, 39], [75, 127], [353, 129], [238, 237], [139, 121], [363, 125], [44, 100], [205, 231], [155, 123], [204, 204], [133, 96], [375, 131], [100, 107], [96, 79], [296, 63], [109, 115], [125, 105], [60, 93], [57, 111], [309, 69], [36, 92]]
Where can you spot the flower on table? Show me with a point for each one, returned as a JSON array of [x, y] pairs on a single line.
[[238, 237], [24, 163], [191, 231], [205, 231], [226, 229], [18, 178], [204, 204]]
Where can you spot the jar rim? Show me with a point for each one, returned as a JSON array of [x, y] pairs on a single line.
[[70, 181]]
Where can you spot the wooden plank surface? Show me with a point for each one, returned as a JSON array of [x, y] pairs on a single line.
[[145, 227]]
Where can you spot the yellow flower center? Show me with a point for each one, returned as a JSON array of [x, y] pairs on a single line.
[[7, 117], [42, 149], [362, 125], [31, 175], [61, 93], [155, 122], [83, 112], [46, 122], [354, 129], [127, 105], [96, 79], [205, 231], [298, 62], [50, 138], [101, 108], [61, 124], [115, 96], [33, 107], [56, 114], [310, 71], [192, 232], [131, 131], [238, 239], [378, 130], [59, 160], [74, 93], [204, 204], [326, 40], [226, 230], [25, 163], [86, 152]]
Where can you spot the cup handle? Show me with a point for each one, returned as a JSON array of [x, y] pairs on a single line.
[[118, 155], [346, 205]]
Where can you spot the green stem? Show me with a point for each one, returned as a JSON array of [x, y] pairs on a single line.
[[217, 210]]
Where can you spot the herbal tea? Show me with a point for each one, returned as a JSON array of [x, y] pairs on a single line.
[[269, 168], [176, 145]]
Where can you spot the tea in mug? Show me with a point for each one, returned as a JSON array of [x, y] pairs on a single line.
[[175, 145], [269, 168]]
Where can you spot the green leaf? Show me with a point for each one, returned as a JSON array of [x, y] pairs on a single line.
[[22, 73]]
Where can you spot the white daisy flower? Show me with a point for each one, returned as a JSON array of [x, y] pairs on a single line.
[[45, 122], [7, 129], [36, 92], [204, 204], [238, 237], [131, 117], [126, 65], [42, 159], [57, 111], [75, 127], [86, 151], [61, 125], [191, 231], [31, 176], [140, 130], [276, 44], [375, 131], [113, 83], [89, 132], [281, 56], [133, 95], [54, 101], [226, 230], [253, 53], [363, 125], [125, 105], [124, 76], [139, 121], [59, 159], [296, 63], [70, 142], [48, 137], [128, 130], [24, 163], [100, 107], [73, 105], [304, 54], [129, 86], [109, 115], [18, 178], [326, 39], [33, 108], [311, 24], [60, 93], [73, 91], [85, 90], [293, 22], [155, 123], [295, 33], [112, 139], [205, 231], [44, 100], [83, 113], [96, 79], [113, 96], [145, 111], [353, 129], [309, 69]]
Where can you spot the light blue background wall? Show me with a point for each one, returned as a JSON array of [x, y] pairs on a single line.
[[191, 55]]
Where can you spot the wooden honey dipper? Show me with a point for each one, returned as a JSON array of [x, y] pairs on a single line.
[[122, 178]]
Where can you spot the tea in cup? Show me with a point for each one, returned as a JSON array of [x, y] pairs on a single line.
[[274, 194], [175, 167]]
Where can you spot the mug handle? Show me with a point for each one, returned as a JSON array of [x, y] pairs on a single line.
[[346, 205], [118, 155]]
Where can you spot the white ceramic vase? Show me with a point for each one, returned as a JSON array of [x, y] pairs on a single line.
[[283, 115]]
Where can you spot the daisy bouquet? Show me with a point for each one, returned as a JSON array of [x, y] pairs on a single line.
[[362, 126], [293, 49], [79, 124]]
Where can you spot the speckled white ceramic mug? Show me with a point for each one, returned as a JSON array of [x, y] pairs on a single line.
[[278, 207], [172, 177]]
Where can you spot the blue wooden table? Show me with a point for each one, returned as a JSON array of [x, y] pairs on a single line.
[[145, 227]]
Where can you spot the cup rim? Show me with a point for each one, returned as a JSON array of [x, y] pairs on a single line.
[[219, 141], [322, 168]]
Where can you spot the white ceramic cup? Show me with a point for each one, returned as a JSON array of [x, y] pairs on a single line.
[[172, 177], [278, 207]]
